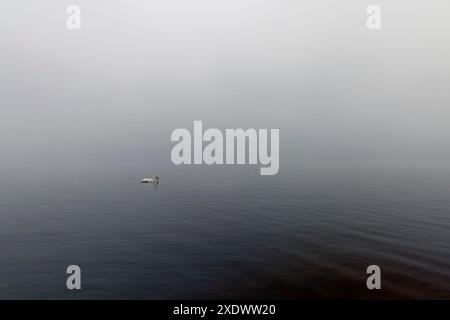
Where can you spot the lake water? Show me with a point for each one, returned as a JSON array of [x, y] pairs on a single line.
[[225, 232]]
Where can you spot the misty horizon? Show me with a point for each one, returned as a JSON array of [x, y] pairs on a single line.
[[117, 88]]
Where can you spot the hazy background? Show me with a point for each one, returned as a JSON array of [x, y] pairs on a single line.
[[114, 90], [364, 125]]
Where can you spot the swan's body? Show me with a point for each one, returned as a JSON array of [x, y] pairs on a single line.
[[150, 180]]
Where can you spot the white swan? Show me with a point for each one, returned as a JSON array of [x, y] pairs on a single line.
[[150, 180]]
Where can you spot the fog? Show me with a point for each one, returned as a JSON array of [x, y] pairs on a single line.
[[137, 70]]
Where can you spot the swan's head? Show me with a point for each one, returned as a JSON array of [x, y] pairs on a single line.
[[156, 178]]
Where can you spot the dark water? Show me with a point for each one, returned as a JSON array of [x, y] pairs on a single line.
[[309, 232]]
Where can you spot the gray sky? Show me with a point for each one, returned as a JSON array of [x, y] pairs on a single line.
[[137, 70]]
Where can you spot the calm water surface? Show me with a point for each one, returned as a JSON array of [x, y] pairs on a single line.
[[308, 232]]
